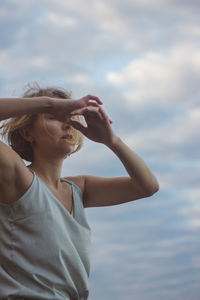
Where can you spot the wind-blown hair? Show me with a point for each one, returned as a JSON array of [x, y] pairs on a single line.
[[10, 129]]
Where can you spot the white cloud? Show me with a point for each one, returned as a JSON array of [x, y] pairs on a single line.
[[108, 18], [89, 159], [169, 78], [191, 210], [79, 79], [3, 56], [60, 21], [176, 139], [99, 13], [12, 66], [12, 10], [120, 244], [136, 246]]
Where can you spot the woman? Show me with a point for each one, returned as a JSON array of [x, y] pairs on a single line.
[[45, 237]]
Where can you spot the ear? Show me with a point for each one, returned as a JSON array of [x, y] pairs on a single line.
[[26, 134]]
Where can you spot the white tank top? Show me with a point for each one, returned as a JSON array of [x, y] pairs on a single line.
[[44, 250]]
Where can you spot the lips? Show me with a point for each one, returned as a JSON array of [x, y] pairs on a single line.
[[67, 136]]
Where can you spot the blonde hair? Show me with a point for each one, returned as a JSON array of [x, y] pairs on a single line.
[[11, 128]]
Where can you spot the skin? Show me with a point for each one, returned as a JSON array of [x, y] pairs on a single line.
[[50, 150], [47, 164]]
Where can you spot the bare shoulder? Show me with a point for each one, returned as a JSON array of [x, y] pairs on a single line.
[[15, 177], [78, 180]]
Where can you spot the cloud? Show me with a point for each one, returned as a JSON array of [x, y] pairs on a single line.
[[178, 177], [191, 209], [59, 21], [142, 58], [176, 139], [80, 79], [169, 78], [119, 252], [98, 13]]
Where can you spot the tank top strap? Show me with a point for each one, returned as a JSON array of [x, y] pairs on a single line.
[[74, 185], [68, 181], [78, 211]]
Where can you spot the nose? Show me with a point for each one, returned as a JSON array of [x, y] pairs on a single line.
[[66, 124]]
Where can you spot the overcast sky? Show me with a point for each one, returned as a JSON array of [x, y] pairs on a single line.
[[142, 58]]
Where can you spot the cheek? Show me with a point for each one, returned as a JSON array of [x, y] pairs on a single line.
[[49, 128]]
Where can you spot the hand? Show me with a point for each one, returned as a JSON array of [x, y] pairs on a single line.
[[61, 108], [98, 127], [88, 100]]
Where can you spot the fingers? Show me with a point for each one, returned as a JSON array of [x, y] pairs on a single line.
[[88, 98], [90, 103], [77, 112], [104, 115], [77, 125], [92, 112], [87, 111]]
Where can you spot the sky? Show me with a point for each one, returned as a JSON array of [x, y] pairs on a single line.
[[142, 59]]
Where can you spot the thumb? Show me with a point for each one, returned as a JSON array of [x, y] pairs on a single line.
[[77, 125]]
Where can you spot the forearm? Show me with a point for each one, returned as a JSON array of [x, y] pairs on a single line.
[[135, 166], [12, 107]]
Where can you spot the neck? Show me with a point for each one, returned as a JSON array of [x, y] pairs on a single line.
[[49, 171]]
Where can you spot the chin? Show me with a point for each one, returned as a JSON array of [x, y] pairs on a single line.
[[63, 150], [67, 155], [68, 151]]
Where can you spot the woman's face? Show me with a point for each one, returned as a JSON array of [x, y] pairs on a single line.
[[52, 136]]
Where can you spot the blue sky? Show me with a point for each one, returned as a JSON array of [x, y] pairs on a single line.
[[142, 58]]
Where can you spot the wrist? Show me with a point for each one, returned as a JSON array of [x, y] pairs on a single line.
[[114, 142], [47, 104]]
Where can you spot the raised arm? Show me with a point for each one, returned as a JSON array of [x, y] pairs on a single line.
[[12, 167], [12, 107], [99, 191]]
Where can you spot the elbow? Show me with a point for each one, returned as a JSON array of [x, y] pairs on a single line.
[[154, 189]]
